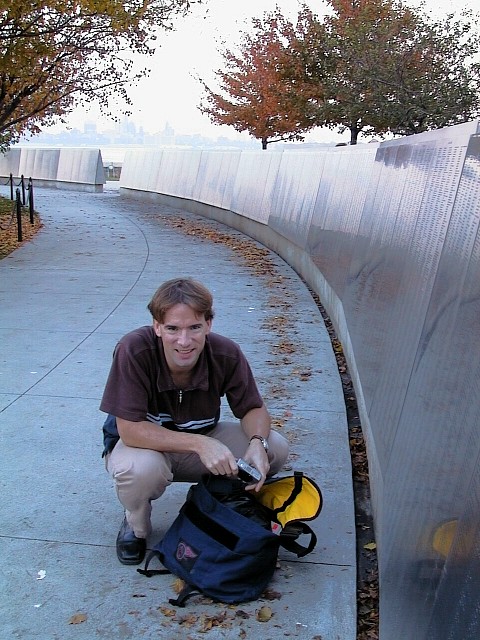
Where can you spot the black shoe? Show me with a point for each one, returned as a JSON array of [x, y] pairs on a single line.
[[130, 549]]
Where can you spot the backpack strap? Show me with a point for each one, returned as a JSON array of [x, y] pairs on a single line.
[[187, 591], [288, 540], [297, 487], [153, 572]]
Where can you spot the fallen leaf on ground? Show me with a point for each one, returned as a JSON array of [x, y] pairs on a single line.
[[270, 594], [188, 620], [78, 618], [178, 585], [208, 622], [264, 614], [242, 614]]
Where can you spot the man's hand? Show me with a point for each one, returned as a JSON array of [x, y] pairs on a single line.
[[257, 457], [257, 422], [217, 457]]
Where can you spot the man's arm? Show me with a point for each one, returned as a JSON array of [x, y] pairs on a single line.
[[216, 457], [257, 423]]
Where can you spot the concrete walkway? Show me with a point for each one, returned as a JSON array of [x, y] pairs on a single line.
[[66, 298]]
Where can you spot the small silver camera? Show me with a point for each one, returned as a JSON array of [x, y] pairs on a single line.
[[247, 473]]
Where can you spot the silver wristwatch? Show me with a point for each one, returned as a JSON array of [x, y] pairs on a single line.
[[262, 440]]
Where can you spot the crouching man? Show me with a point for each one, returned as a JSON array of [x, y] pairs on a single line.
[[163, 398]]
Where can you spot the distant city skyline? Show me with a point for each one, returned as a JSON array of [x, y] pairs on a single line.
[[127, 134], [170, 95]]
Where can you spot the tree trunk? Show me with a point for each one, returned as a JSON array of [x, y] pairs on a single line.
[[354, 131], [264, 143]]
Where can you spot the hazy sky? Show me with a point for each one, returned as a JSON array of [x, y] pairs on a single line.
[[171, 93]]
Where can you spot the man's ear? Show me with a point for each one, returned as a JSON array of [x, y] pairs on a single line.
[[156, 328]]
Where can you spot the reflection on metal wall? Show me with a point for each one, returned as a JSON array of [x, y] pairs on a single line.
[[404, 306], [142, 169], [294, 194], [216, 178], [394, 230], [253, 192], [80, 165], [59, 167], [41, 164], [9, 163]]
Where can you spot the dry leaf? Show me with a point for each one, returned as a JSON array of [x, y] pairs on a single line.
[[188, 620], [78, 618], [242, 614], [370, 546], [177, 585], [207, 625], [208, 622], [170, 613], [270, 594], [264, 614]]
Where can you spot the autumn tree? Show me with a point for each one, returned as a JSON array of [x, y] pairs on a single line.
[[439, 85], [260, 90], [56, 54], [392, 69]]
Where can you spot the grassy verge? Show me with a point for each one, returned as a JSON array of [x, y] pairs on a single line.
[[8, 227]]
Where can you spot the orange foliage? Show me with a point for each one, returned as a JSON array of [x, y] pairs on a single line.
[[260, 90]]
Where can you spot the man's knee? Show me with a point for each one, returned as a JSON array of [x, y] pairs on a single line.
[[278, 451], [141, 468]]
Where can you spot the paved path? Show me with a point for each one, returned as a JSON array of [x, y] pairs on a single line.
[[66, 297]]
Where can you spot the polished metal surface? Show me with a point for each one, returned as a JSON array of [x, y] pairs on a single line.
[[294, 194], [79, 166], [9, 163], [179, 172], [216, 178], [393, 233], [141, 169], [254, 185], [41, 163]]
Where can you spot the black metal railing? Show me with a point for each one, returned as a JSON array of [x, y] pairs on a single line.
[[20, 199]]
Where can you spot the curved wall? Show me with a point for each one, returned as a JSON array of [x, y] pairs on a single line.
[[61, 168], [388, 235]]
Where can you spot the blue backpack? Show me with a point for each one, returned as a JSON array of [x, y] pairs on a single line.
[[224, 542]]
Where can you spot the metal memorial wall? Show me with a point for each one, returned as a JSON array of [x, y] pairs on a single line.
[[56, 167], [388, 234]]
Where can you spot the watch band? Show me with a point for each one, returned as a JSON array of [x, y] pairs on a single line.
[[262, 440]]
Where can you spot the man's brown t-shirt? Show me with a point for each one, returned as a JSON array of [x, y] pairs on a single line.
[[140, 387]]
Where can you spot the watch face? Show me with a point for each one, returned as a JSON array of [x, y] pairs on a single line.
[[262, 440]]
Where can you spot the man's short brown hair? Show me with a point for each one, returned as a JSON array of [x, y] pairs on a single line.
[[181, 291]]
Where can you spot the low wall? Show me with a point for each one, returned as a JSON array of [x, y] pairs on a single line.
[[80, 169], [388, 235]]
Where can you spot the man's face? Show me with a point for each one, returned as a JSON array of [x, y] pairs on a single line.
[[183, 335]]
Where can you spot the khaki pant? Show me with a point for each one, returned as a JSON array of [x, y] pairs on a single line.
[[142, 475]]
